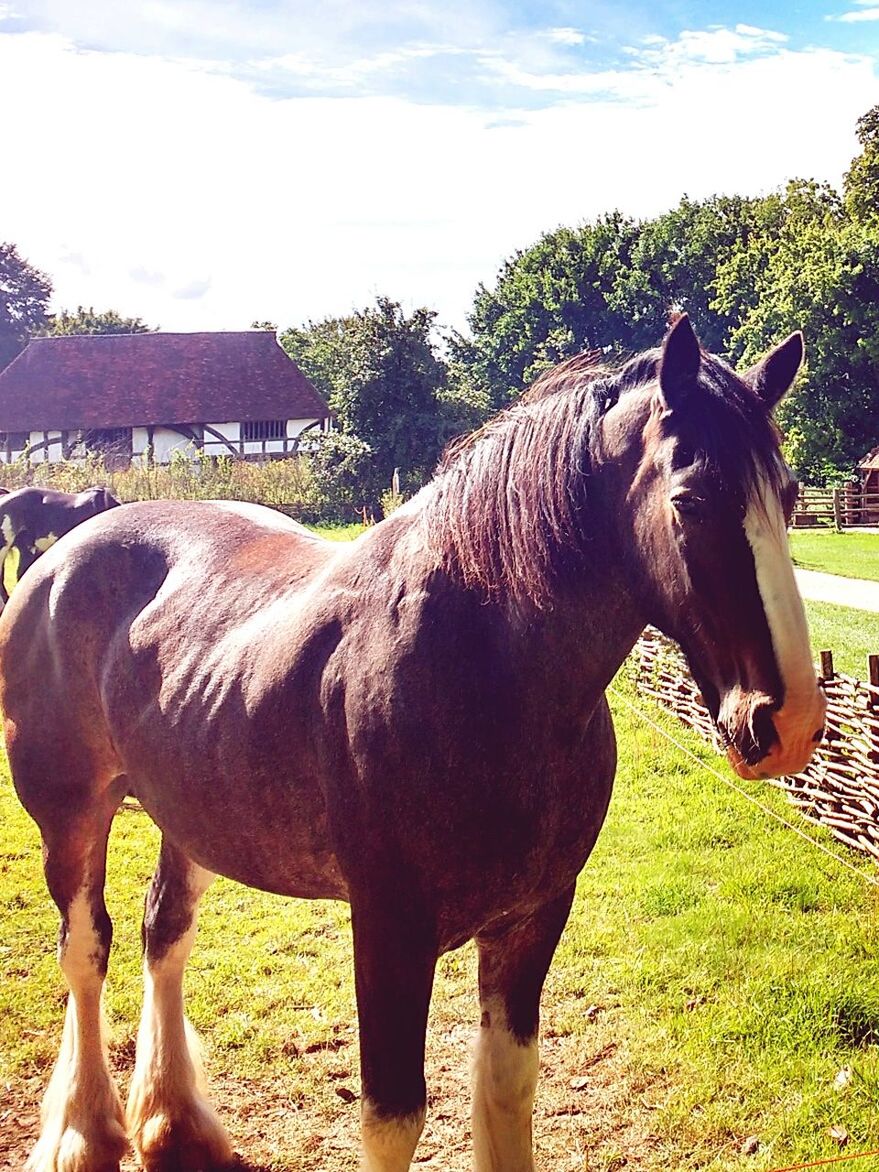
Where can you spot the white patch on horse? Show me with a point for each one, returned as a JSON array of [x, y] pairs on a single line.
[[388, 1144], [41, 544], [167, 1107], [504, 1082], [81, 1115], [7, 530], [801, 713]]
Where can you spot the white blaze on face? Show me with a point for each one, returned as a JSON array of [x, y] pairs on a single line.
[[802, 708]]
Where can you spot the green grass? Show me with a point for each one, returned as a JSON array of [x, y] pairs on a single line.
[[731, 969], [339, 532], [851, 554], [850, 634]]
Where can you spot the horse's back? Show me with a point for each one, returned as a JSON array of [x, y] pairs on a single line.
[[140, 630]]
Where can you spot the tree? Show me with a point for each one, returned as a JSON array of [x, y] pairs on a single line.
[[87, 321], [747, 270], [675, 264], [383, 378], [24, 296], [861, 186], [549, 302], [818, 271]]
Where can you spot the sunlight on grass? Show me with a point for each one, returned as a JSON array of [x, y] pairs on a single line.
[[851, 554], [850, 634]]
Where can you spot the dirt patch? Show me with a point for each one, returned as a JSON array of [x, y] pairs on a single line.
[[592, 1113]]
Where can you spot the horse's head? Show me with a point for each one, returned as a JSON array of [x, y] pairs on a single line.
[[708, 498]]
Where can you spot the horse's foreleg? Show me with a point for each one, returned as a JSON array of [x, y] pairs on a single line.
[[171, 1123], [394, 961], [512, 969], [82, 1122]]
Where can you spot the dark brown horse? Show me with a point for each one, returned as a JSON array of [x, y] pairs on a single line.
[[32, 519], [414, 722]]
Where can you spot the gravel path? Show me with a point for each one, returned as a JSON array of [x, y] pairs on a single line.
[[855, 592]]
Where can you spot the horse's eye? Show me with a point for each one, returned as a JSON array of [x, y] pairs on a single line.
[[687, 504]]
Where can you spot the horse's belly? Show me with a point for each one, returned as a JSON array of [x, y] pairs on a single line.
[[269, 832]]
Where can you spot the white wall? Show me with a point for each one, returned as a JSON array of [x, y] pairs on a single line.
[[50, 454], [232, 432], [165, 441], [213, 446]]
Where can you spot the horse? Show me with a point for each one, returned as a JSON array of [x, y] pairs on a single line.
[[32, 519], [414, 722]]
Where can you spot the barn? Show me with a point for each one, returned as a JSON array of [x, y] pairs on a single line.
[[869, 488], [134, 397]]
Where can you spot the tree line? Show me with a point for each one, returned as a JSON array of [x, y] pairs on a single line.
[[748, 270]]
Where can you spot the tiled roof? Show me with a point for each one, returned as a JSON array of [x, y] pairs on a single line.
[[870, 462], [126, 380]]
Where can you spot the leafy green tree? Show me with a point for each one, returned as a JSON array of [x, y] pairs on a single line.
[[861, 186], [675, 265], [826, 283], [384, 379], [87, 321], [550, 301], [341, 464], [24, 296]]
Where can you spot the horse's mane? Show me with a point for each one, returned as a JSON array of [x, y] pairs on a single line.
[[506, 511]]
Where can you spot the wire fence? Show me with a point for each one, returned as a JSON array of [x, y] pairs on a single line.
[[839, 788]]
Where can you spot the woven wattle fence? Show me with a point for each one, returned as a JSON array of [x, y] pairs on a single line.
[[840, 787]]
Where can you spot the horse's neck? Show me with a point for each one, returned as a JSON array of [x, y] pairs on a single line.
[[579, 644]]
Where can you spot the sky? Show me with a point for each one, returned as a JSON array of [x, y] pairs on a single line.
[[202, 165]]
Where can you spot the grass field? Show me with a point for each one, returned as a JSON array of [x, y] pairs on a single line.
[[852, 554], [850, 634], [717, 974], [339, 532]]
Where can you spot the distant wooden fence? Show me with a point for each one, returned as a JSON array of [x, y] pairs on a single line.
[[839, 508], [840, 787]]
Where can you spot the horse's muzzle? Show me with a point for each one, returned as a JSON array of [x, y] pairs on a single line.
[[768, 742]]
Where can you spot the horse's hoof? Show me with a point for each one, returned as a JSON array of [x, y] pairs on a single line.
[[194, 1142], [71, 1151]]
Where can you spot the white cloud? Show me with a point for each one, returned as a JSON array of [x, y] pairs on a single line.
[[654, 65], [564, 36], [859, 15], [155, 177]]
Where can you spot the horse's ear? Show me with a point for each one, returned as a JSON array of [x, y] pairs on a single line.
[[679, 363], [774, 374]]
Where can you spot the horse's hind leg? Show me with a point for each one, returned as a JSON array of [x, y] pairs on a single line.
[[170, 1122], [82, 1122], [512, 969]]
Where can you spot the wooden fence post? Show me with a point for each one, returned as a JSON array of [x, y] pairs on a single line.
[[826, 665], [837, 511]]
